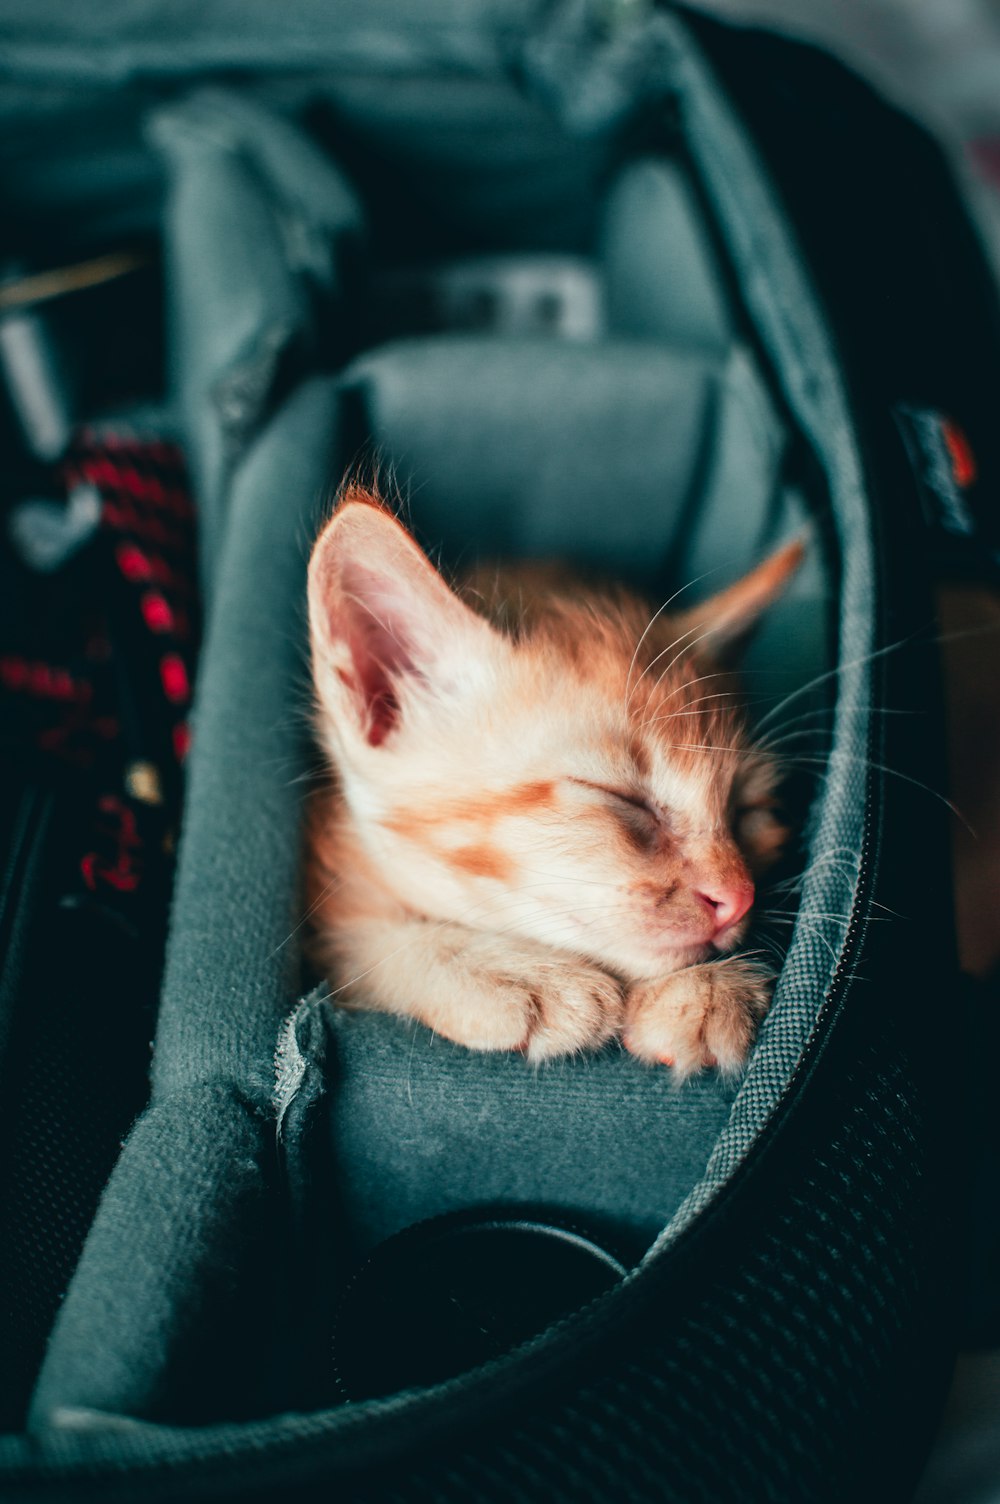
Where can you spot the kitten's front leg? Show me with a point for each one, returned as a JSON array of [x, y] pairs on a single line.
[[480, 990], [705, 1015]]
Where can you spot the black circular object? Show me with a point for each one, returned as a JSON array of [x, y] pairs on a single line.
[[449, 1294]]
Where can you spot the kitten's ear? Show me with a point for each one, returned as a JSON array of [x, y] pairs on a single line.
[[380, 615], [727, 619]]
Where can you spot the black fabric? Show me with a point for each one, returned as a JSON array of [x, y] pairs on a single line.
[[73, 1077], [447, 1295], [738, 1391], [780, 1373], [980, 1285]]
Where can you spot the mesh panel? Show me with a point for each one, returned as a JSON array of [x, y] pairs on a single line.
[[80, 1059]]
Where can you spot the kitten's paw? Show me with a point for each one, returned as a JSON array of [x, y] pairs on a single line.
[[574, 1007], [546, 1009], [703, 1016]]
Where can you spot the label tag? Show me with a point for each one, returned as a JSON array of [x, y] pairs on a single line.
[[946, 471]]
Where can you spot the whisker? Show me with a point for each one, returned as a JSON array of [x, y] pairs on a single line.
[[841, 668], [687, 648], [880, 767], [561, 877], [676, 714], [795, 732], [775, 918], [700, 747], [650, 624], [818, 934], [662, 654], [775, 950], [690, 684], [330, 888]]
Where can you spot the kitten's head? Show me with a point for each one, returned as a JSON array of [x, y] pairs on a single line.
[[584, 778]]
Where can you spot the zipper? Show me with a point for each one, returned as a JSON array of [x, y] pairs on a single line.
[[853, 935], [25, 843], [28, 820]]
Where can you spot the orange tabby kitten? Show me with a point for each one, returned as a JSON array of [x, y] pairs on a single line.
[[548, 816]]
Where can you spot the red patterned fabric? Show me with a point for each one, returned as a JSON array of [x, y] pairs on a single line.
[[97, 667]]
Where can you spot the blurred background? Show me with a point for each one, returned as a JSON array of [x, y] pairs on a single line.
[[939, 59]]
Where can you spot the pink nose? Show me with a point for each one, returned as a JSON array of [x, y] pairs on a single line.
[[728, 904]]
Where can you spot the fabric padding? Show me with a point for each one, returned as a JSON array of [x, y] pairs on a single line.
[[600, 453], [254, 217], [420, 1126], [179, 1213], [663, 277], [232, 966], [162, 1263]]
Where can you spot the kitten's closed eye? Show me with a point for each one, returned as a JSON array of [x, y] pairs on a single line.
[[637, 801], [632, 798], [645, 821]]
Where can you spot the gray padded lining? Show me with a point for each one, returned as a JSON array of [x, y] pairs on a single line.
[[420, 1126], [659, 464], [636, 457], [663, 278], [257, 217]]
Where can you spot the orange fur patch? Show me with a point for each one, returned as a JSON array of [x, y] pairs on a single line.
[[482, 861], [417, 823]]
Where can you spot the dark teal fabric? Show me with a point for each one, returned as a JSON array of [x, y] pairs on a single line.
[[419, 1126], [256, 221], [48, 40], [467, 166], [662, 271], [164, 1263], [614, 453], [232, 961]]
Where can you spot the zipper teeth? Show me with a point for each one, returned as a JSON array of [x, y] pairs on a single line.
[[29, 815], [857, 921], [855, 925]]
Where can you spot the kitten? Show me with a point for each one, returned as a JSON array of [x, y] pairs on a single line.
[[548, 815]]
